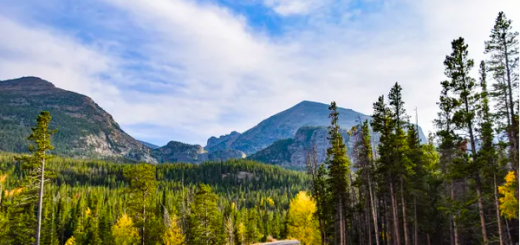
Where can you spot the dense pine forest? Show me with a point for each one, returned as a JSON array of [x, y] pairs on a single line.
[[97, 202], [461, 187]]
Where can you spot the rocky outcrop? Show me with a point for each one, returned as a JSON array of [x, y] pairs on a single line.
[[292, 153], [285, 124], [222, 142], [84, 129], [180, 152]]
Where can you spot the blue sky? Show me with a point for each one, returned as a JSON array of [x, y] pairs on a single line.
[[186, 70]]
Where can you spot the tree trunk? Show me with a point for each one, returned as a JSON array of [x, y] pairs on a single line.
[[499, 221], [512, 111], [481, 209], [385, 222], [341, 223], [416, 231], [40, 199], [509, 233], [405, 222], [374, 214], [477, 175], [453, 218], [395, 216], [428, 238], [144, 218]]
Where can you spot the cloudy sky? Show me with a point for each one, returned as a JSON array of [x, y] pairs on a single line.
[[189, 69]]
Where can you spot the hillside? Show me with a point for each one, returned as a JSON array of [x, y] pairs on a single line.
[[176, 151], [99, 188], [285, 124], [291, 153], [84, 129]]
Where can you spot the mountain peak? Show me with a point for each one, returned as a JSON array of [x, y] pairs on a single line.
[[26, 83]]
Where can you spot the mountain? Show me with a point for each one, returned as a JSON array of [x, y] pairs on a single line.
[[222, 142], [149, 145], [84, 129], [176, 151], [285, 124], [291, 153]]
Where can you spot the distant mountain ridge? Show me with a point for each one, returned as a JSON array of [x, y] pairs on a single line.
[[292, 153], [84, 128], [284, 125]]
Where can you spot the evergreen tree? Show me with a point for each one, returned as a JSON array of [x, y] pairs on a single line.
[[503, 47], [400, 163], [205, 222], [383, 123], [35, 164], [142, 186], [463, 88], [338, 183]]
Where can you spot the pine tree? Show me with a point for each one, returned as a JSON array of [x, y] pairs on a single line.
[[205, 221], [35, 165], [142, 186], [338, 182], [383, 123], [401, 164], [463, 87], [503, 47], [318, 174]]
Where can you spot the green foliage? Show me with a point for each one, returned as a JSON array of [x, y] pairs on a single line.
[[102, 188], [205, 219]]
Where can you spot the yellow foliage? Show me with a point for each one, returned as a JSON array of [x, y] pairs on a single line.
[[270, 202], [301, 222], [13, 192], [124, 232], [3, 178], [87, 212], [509, 202], [71, 241], [241, 231], [173, 235]]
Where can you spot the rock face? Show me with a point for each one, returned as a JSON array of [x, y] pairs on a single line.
[[222, 142], [149, 145], [292, 152], [84, 128], [285, 124], [180, 152]]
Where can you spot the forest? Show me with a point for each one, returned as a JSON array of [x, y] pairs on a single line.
[[461, 187]]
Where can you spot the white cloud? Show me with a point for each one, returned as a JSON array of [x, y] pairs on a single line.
[[294, 7], [207, 72]]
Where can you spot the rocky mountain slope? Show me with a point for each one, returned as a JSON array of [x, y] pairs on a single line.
[[84, 128], [222, 142], [285, 124], [291, 153], [180, 152]]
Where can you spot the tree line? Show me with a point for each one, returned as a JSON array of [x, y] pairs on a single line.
[[46, 199], [460, 187]]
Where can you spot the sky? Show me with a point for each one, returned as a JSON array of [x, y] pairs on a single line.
[[187, 70]]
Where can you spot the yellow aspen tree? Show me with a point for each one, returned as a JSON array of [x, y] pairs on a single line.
[[301, 223]]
